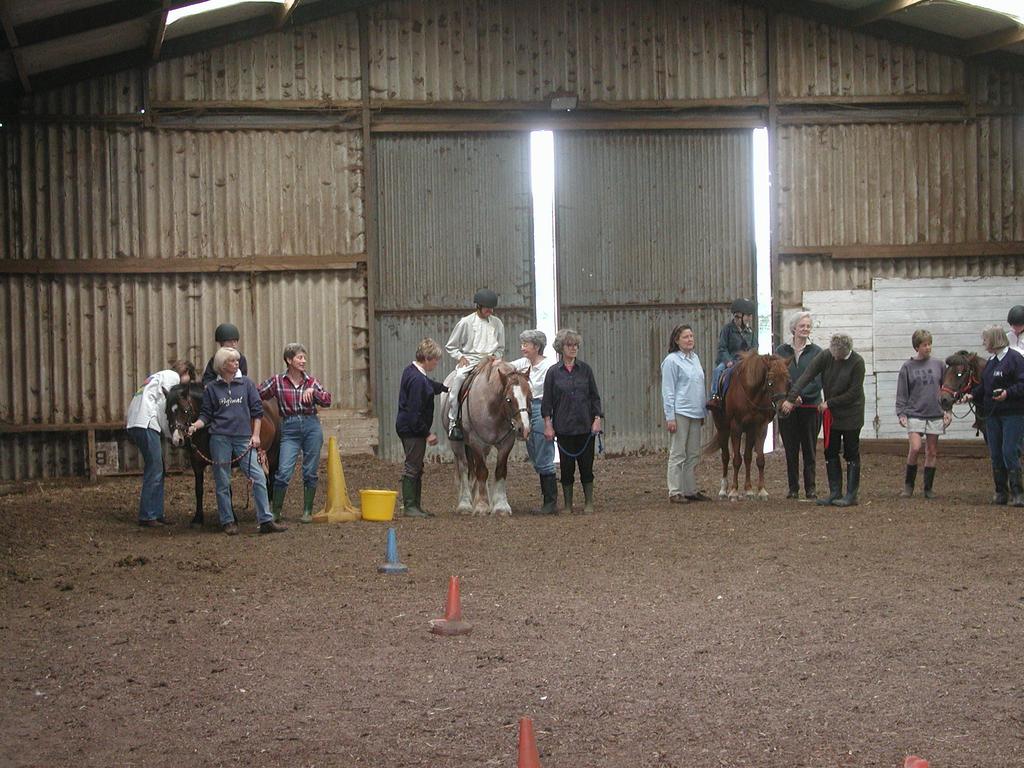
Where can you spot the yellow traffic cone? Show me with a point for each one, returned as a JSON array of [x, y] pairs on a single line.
[[338, 509]]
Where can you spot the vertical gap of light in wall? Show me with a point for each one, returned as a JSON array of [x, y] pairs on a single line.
[[762, 246], [542, 183]]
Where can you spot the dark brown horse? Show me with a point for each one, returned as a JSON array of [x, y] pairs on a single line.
[[757, 386], [495, 409], [963, 373], [183, 403]]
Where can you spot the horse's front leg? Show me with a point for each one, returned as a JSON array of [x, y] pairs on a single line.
[[465, 502], [478, 475], [499, 496], [748, 459], [762, 433], [198, 470], [737, 461], [723, 490]]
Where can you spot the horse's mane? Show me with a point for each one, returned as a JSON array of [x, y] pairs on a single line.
[[963, 357], [193, 389], [752, 368]]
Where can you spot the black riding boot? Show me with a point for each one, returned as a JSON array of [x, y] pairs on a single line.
[[929, 480], [1016, 492], [999, 475], [835, 483], [852, 486], [549, 492], [909, 478]]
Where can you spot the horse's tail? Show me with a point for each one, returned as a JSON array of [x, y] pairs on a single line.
[[721, 436]]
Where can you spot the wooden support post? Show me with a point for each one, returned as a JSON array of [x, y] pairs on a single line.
[[93, 470], [369, 206]]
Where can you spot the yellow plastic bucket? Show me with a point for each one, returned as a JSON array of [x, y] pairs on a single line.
[[378, 505]]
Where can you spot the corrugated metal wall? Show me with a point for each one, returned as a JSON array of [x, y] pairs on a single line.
[[816, 59], [314, 62], [466, 51], [454, 216], [654, 229], [901, 184]]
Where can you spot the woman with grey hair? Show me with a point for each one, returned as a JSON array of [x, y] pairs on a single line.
[[842, 381], [1000, 397], [572, 412], [298, 395], [541, 452], [232, 409], [799, 430]]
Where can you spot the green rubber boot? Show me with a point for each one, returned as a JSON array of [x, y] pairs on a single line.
[[567, 497], [410, 499], [277, 504], [308, 495], [588, 495]]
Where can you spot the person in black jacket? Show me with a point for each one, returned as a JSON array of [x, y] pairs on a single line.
[[799, 430], [226, 335], [415, 417]]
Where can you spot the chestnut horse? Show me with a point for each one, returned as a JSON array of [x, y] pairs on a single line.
[[758, 384], [963, 373], [495, 408], [183, 403]]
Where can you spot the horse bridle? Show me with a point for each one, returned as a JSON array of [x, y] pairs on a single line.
[[773, 408], [964, 388]]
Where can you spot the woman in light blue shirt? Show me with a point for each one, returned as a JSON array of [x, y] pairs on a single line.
[[682, 394]]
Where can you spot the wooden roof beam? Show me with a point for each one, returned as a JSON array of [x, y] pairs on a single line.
[[993, 41], [159, 31], [284, 12], [12, 41], [880, 10]]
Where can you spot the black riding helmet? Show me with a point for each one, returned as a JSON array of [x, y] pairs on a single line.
[[485, 297], [743, 307], [226, 332], [1016, 315]]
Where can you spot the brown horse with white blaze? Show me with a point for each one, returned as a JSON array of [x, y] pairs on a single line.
[[758, 384], [495, 410]]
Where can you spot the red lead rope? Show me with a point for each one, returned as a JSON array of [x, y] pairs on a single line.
[[826, 423]]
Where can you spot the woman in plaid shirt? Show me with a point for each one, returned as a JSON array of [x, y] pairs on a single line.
[[298, 394]]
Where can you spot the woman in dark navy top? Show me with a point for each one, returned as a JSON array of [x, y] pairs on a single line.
[[415, 418], [572, 412]]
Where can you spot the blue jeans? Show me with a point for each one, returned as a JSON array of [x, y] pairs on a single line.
[[540, 450], [151, 502], [716, 376], [222, 449], [1004, 435], [299, 433]]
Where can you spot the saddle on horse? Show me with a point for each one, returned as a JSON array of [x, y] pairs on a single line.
[[455, 428]]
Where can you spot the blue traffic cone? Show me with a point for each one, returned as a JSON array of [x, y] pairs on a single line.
[[392, 565]]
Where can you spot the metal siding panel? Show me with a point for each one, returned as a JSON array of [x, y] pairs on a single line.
[[465, 51], [901, 184], [654, 218], [399, 335], [816, 59], [311, 62], [117, 94], [454, 215], [235, 194]]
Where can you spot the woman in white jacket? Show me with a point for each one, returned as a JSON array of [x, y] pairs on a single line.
[[147, 420]]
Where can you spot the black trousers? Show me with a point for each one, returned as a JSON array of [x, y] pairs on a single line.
[[799, 433], [846, 441], [585, 460], [415, 450]]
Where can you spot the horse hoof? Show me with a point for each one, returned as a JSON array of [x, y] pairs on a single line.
[[749, 494], [503, 511], [196, 522], [763, 495], [464, 510]]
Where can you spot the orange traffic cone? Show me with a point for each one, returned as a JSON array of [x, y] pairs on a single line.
[[338, 509], [452, 623], [913, 761], [528, 756]]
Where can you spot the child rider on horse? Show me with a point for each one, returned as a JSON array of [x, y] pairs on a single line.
[[226, 335], [737, 336], [474, 338]]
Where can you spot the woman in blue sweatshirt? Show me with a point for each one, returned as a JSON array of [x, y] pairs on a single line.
[[1000, 399], [415, 417], [233, 410]]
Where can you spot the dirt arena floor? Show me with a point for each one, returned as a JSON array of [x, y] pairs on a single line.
[[648, 634]]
